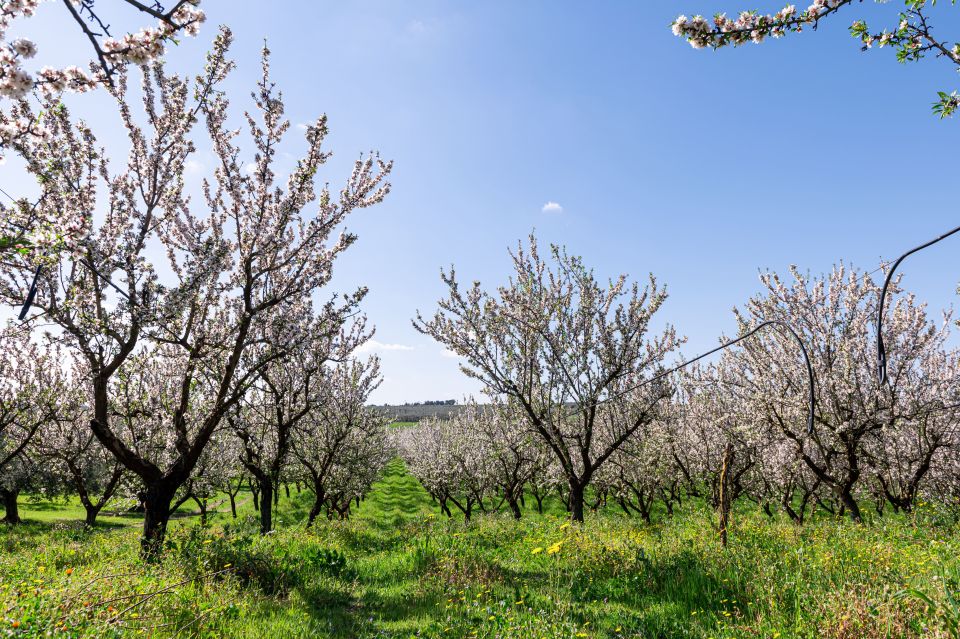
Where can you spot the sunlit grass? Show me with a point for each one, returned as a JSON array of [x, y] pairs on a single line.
[[399, 568]]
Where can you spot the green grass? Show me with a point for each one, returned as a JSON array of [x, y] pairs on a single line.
[[400, 569]]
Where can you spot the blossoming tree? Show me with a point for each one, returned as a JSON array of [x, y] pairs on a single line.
[[342, 444], [571, 353], [31, 382], [187, 344], [68, 445], [855, 414], [292, 386]]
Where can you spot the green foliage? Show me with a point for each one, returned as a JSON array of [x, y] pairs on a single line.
[[400, 569], [944, 609], [274, 565], [947, 104]]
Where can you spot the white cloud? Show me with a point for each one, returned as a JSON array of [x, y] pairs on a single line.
[[250, 168], [375, 346], [193, 166], [552, 207], [416, 27], [448, 353]]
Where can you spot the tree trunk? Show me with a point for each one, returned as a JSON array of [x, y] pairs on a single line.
[[202, 506], [156, 505], [315, 510], [266, 506], [514, 506], [233, 505], [851, 506], [256, 496], [724, 490], [92, 511], [786, 501], [12, 512], [319, 496], [645, 510], [576, 500]]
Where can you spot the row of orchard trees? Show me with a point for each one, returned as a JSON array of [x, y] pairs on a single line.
[[314, 431], [187, 343], [581, 405]]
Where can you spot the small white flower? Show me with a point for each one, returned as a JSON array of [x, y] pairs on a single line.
[[24, 47], [679, 25]]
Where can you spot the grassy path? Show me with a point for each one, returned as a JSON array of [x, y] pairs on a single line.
[[399, 569], [396, 499]]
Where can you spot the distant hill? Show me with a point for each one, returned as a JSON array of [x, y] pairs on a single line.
[[416, 412]]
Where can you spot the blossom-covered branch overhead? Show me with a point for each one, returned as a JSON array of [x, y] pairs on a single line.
[[911, 35]]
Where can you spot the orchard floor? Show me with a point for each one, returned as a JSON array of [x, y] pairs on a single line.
[[400, 569]]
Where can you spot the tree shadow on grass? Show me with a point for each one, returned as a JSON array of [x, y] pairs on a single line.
[[665, 594], [31, 526]]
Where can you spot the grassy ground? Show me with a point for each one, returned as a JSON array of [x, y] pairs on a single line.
[[399, 569]]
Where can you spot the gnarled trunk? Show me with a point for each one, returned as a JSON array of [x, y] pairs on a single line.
[[92, 511], [202, 507], [11, 510], [156, 500], [575, 500], [850, 505], [514, 506], [255, 493], [266, 506], [319, 498]]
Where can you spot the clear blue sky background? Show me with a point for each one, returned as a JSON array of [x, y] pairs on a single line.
[[701, 167]]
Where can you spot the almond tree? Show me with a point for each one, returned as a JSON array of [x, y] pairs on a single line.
[[943, 480], [90, 470], [511, 450], [925, 432], [835, 316], [341, 444], [291, 387], [645, 468], [421, 449], [468, 452], [229, 474], [190, 345], [713, 418], [31, 382], [571, 353], [909, 33], [449, 458]]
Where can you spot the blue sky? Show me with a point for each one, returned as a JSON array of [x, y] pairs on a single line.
[[699, 166]]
